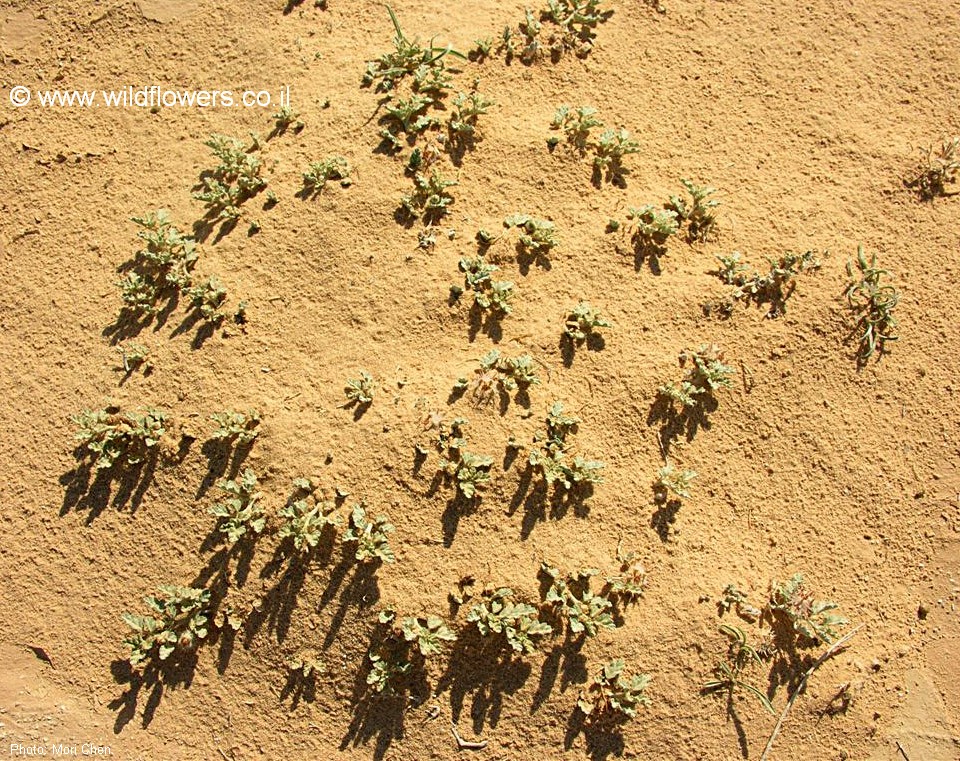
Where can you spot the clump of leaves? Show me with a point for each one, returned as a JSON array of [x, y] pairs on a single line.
[[733, 598], [233, 180], [306, 519], [873, 303], [570, 598], [240, 427], [489, 295], [407, 115], [135, 355], [308, 663], [387, 667], [208, 298], [613, 696], [500, 614], [627, 585], [813, 620], [177, 622], [499, 373], [108, 435], [470, 471], [651, 228], [774, 288], [537, 236], [577, 21], [428, 633], [729, 673], [576, 124], [699, 213], [551, 455], [370, 536], [241, 512], [286, 118], [706, 374], [430, 197], [582, 321], [671, 480], [319, 172], [360, 390], [938, 166], [407, 58], [610, 148], [462, 124], [161, 269]]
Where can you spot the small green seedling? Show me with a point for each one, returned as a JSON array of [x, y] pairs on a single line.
[[939, 165], [470, 471], [169, 254], [500, 614], [462, 124], [489, 295], [319, 172], [873, 304], [651, 228], [577, 20], [386, 669], [208, 298], [613, 696], [570, 598], [308, 663], [178, 621], [729, 674], [576, 125], [482, 48], [705, 376], [235, 179], [550, 456], [671, 480], [110, 435], [626, 587], [499, 373], [370, 537], [537, 236], [774, 288], [430, 197], [285, 119], [610, 148], [699, 214], [813, 620], [240, 513], [428, 633], [133, 356], [240, 427], [582, 322], [360, 390], [406, 59], [305, 520]]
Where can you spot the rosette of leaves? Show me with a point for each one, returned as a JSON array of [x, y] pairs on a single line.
[[428, 633], [178, 621], [551, 458], [627, 585], [705, 375], [501, 614], [320, 172], [371, 537], [470, 471], [582, 321], [814, 621], [671, 480], [652, 228], [699, 214], [612, 695], [537, 236], [488, 294], [570, 598], [110, 435], [306, 519], [609, 150], [233, 180], [241, 512], [236, 426]]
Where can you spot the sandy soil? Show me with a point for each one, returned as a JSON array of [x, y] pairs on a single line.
[[807, 118]]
